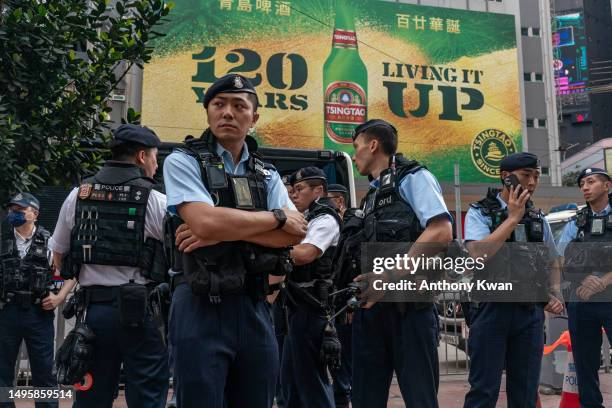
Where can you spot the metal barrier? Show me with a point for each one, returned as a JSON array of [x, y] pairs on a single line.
[[453, 347]]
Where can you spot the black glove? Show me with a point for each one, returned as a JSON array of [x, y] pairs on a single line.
[[330, 348], [75, 356]]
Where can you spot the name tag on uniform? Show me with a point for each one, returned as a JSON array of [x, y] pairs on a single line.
[[597, 226], [242, 192], [520, 234]]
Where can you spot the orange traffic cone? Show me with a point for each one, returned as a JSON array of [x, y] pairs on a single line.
[[569, 395]]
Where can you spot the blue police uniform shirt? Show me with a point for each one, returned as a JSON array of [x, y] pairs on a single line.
[[477, 227], [183, 180], [422, 191], [570, 231]]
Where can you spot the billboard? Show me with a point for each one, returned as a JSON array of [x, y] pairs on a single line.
[[570, 50], [447, 79]]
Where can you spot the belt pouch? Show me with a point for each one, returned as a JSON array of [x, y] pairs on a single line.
[[132, 303]]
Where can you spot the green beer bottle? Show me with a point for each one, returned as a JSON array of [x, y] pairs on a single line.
[[345, 83]]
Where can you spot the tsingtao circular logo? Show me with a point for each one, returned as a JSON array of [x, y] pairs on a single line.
[[489, 147]]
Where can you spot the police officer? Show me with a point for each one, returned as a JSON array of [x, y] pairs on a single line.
[[339, 195], [288, 183], [304, 377], [404, 204], [504, 334], [26, 304], [342, 377], [590, 301], [108, 233], [238, 210]]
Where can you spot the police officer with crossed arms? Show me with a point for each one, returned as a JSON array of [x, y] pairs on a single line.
[[109, 235], [237, 221], [586, 243]]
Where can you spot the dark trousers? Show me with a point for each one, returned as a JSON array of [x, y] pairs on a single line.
[[223, 353], [280, 331], [506, 335], [34, 326], [144, 358], [387, 340], [304, 381], [586, 320], [343, 377]]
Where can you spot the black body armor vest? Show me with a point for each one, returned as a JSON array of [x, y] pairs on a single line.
[[387, 216], [29, 276], [237, 266], [520, 262], [110, 217], [347, 257], [322, 267], [590, 253]]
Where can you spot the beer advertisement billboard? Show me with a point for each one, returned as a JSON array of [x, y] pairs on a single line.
[[447, 79]]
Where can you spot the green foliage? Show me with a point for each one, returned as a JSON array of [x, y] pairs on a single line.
[[133, 117], [61, 60], [569, 179]]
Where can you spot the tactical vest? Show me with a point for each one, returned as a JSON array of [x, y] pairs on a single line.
[[347, 257], [237, 266], [30, 275], [316, 277], [520, 262], [110, 217], [387, 216], [590, 252], [382, 216]]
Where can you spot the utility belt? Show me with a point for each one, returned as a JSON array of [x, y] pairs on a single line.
[[255, 285], [22, 298], [107, 294], [132, 300]]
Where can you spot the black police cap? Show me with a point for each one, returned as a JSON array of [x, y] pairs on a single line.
[[373, 123], [337, 188], [232, 83], [24, 200], [309, 173], [129, 133], [590, 171], [523, 160]]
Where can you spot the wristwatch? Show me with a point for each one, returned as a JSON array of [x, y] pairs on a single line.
[[281, 218]]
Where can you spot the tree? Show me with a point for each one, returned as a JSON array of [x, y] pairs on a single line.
[[60, 60], [569, 179]]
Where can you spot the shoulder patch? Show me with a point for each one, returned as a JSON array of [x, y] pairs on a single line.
[[85, 191]]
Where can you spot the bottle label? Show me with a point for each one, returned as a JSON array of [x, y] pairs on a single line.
[[344, 39], [345, 109]]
